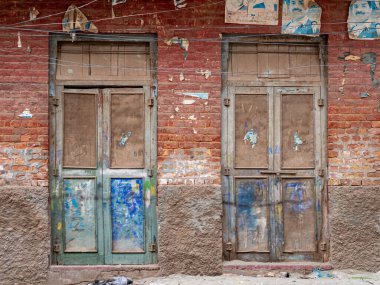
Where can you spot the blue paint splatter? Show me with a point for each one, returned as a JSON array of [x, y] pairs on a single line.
[[298, 201], [79, 214], [127, 207], [250, 195]]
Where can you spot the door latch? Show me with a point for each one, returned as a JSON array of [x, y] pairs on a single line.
[[57, 247], [153, 247], [150, 102], [228, 246], [227, 102]]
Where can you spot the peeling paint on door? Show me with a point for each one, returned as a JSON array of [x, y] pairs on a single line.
[[127, 207], [79, 215]]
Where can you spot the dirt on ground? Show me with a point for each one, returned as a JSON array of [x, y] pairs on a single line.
[[348, 277]]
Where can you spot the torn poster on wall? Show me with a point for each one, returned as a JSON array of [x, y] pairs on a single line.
[[301, 17], [117, 2], [364, 20], [258, 12], [179, 4], [74, 20]]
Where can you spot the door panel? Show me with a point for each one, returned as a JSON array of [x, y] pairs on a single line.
[[297, 131], [299, 215], [79, 130], [251, 131], [80, 214], [127, 131], [252, 215], [127, 211]]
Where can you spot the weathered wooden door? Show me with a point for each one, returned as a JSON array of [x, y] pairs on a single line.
[[103, 210], [272, 187]]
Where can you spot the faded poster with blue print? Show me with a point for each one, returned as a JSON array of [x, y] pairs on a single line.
[[364, 20], [259, 12], [301, 17]]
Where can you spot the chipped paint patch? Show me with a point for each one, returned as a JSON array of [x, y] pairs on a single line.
[[188, 101], [206, 73], [179, 4], [352, 57], [127, 208], [26, 114], [183, 43], [192, 117], [297, 141], [181, 77], [33, 13], [124, 138], [364, 95], [199, 95]]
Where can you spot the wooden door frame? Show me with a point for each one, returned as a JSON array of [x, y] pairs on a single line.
[[149, 86], [227, 181]]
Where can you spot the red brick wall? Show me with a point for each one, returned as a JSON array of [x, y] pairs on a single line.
[[188, 135]]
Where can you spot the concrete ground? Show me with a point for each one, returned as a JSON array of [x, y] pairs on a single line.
[[347, 277]]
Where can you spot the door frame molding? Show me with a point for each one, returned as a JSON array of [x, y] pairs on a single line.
[[227, 181], [149, 86]]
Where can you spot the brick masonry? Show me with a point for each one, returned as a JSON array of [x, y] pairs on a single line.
[[188, 135]]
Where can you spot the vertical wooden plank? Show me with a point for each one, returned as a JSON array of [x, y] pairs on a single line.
[[283, 61], [100, 59], [114, 59], [273, 61], [263, 62], [230, 162], [70, 61]]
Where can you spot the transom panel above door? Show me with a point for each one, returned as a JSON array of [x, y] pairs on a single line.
[[103, 211]]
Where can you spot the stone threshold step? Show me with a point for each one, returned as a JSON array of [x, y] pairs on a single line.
[[61, 268], [242, 267]]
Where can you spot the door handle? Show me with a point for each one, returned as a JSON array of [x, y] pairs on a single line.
[[278, 172]]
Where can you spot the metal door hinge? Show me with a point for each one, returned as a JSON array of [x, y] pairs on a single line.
[[150, 172], [55, 172], [227, 102], [228, 246], [323, 246], [57, 247], [150, 102], [153, 247], [321, 172], [321, 102], [55, 102], [226, 172]]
